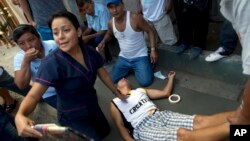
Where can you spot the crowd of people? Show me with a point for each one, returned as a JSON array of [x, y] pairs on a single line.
[[62, 59]]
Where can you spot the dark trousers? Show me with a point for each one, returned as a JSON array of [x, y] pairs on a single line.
[[228, 38], [192, 23]]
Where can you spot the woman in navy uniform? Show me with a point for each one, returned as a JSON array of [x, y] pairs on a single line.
[[72, 69]]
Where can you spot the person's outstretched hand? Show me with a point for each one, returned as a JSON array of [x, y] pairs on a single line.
[[171, 74], [24, 127]]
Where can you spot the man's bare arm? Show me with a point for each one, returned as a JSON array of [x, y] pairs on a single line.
[[139, 24]]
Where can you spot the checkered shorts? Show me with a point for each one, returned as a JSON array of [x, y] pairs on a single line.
[[162, 126]]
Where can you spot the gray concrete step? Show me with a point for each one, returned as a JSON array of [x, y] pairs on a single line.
[[223, 78], [208, 86], [227, 69]]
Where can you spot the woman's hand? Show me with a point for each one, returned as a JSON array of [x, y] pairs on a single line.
[[24, 127]]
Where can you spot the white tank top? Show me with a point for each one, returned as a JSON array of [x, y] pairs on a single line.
[[132, 44], [136, 107]]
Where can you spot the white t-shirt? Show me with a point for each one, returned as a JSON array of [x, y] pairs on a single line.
[[48, 46], [136, 107], [153, 10]]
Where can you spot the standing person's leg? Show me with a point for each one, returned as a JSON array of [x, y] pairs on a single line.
[[227, 42], [228, 38], [201, 22], [184, 24], [143, 71], [200, 25], [178, 11], [165, 30]]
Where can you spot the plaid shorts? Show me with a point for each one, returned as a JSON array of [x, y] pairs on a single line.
[[162, 126]]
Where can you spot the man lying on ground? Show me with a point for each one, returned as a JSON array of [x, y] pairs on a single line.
[[144, 121]]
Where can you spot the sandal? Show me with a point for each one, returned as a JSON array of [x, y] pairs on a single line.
[[10, 108]]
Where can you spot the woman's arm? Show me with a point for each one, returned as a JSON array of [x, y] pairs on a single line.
[[116, 116], [104, 76], [23, 123]]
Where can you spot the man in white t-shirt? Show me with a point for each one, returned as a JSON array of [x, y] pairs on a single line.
[[28, 59], [156, 13]]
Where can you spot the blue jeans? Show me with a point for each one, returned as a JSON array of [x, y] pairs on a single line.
[[7, 81], [228, 38], [141, 66]]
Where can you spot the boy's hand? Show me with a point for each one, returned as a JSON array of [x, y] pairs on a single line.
[[171, 74]]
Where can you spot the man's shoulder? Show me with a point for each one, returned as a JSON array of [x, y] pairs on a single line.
[[136, 16], [19, 55], [49, 44], [101, 8]]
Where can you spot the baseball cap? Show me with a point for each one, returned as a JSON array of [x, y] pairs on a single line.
[[112, 2]]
